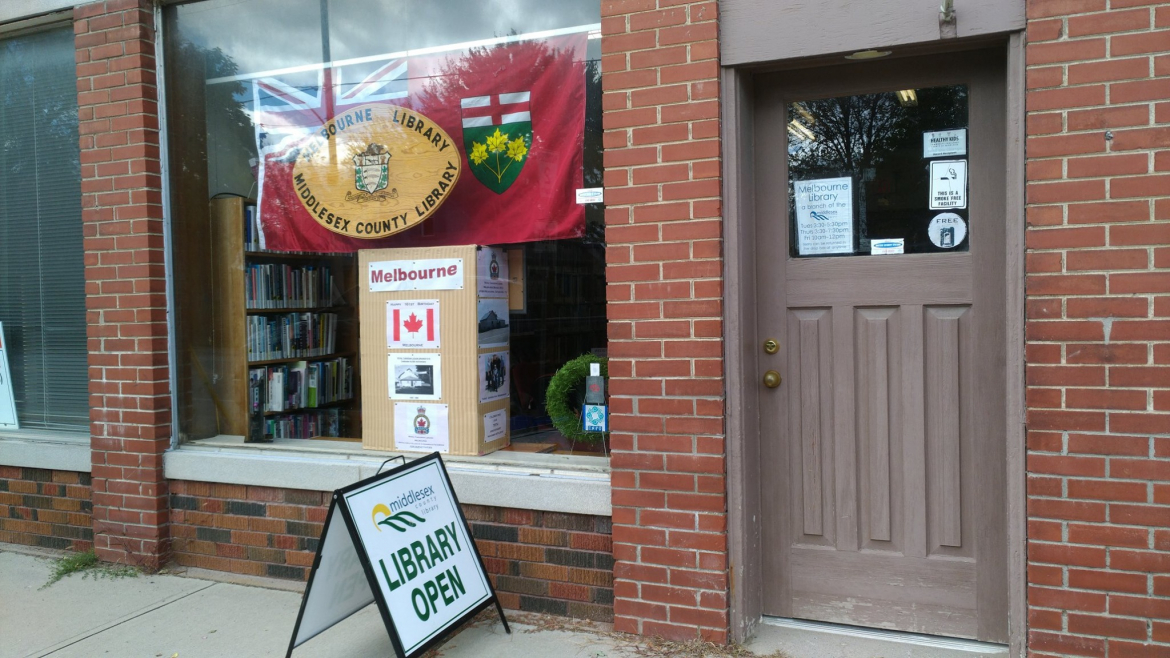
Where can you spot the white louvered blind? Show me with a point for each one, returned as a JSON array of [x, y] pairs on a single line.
[[42, 275]]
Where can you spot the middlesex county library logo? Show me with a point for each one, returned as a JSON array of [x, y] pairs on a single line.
[[395, 515], [344, 178]]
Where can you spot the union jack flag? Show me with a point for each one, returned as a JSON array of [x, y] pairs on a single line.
[[297, 103]]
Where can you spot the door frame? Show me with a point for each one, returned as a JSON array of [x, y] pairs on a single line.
[[741, 342]]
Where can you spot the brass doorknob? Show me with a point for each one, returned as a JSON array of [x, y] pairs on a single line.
[[771, 379], [771, 346]]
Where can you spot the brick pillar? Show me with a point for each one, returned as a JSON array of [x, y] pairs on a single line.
[[660, 75], [125, 278], [1098, 331]]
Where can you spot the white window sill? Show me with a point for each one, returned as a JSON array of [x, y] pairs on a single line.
[[61, 451], [553, 483]]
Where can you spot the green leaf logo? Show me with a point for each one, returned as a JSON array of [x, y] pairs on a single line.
[[400, 521]]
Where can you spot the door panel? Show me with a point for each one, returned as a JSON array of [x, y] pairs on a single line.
[[880, 440]]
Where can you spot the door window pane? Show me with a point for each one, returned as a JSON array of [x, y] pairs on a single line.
[[879, 174]]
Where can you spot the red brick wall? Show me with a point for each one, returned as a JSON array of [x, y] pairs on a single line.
[[50, 509], [125, 277], [539, 561], [1098, 331], [660, 76]]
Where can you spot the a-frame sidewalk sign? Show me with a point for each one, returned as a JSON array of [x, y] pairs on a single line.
[[398, 539]]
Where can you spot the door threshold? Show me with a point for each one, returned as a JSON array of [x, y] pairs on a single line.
[[798, 638]]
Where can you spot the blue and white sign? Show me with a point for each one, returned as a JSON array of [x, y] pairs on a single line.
[[595, 418]]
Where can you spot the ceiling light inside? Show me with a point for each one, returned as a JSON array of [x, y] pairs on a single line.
[[908, 97], [868, 54]]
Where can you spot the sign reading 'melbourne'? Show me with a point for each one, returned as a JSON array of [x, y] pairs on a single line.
[[413, 544]]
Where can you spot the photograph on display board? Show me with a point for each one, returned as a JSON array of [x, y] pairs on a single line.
[[491, 273], [494, 325], [415, 377], [493, 376]]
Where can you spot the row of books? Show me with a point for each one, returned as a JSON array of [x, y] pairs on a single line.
[[275, 285], [300, 385], [303, 425], [291, 335], [251, 228]]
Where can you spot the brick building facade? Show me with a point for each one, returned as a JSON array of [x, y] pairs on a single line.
[[1096, 342]]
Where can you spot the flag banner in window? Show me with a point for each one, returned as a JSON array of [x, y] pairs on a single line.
[[482, 145]]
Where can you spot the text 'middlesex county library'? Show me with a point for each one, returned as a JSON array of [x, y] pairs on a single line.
[[879, 295]]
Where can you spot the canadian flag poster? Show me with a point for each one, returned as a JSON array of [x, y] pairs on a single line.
[[412, 324]]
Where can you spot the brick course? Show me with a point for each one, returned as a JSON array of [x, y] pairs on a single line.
[[125, 278], [49, 509], [660, 79], [554, 563], [1098, 328]]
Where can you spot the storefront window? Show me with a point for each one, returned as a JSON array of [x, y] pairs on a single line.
[[307, 136], [42, 270], [879, 174]]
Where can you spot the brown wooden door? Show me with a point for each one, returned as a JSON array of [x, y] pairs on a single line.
[[884, 447]]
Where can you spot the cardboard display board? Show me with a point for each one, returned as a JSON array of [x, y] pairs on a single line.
[[421, 353], [398, 539]]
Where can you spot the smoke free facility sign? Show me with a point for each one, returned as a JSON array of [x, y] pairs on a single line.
[[824, 216]]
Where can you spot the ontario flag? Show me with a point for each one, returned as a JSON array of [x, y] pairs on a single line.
[[515, 109]]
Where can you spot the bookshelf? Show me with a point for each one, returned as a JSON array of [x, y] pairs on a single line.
[[284, 335]]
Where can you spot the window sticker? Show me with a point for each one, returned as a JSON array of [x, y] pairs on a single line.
[[824, 216], [947, 230], [943, 143], [883, 246], [948, 184]]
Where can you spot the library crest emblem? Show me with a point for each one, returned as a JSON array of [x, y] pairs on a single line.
[[372, 172], [375, 170], [422, 424]]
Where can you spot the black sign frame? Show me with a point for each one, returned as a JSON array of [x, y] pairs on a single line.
[[371, 577]]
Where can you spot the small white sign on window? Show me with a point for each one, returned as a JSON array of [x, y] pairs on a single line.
[[883, 246], [948, 184], [590, 195], [824, 216], [7, 404], [944, 142]]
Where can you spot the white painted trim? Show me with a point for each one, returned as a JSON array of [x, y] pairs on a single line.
[[60, 452], [553, 483], [11, 10], [932, 641]]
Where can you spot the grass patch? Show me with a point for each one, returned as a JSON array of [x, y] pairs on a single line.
[[88, 566]]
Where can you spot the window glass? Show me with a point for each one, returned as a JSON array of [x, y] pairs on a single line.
[[879, 174], [260, 121], [42, 276]]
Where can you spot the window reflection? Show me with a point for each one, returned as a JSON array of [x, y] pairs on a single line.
[[860, 168]]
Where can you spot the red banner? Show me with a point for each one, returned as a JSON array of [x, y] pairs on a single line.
[[516, 114]]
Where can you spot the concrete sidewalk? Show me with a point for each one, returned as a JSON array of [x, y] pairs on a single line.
[[168, 614], [165, 615]]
